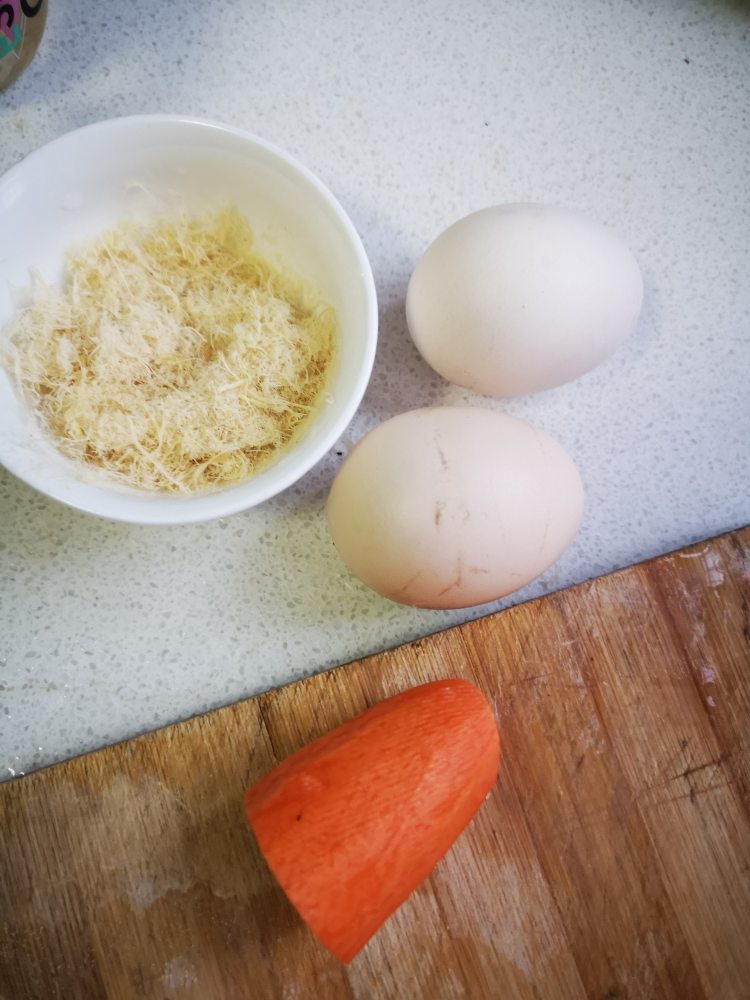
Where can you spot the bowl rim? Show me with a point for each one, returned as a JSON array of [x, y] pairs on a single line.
[[166, 509]]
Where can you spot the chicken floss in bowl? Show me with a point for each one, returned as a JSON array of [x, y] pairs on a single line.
[[188, 320]]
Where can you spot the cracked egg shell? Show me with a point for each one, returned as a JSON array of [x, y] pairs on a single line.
[[449, 507]]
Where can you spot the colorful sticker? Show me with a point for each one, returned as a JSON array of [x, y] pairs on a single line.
[[10, 26], [13, 15]]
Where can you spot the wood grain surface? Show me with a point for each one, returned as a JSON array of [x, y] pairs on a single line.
[[611, 860]]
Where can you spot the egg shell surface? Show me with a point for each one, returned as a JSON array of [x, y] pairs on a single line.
[[515, 299], [449, 507]]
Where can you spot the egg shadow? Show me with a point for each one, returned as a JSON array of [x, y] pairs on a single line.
[[401, 379]]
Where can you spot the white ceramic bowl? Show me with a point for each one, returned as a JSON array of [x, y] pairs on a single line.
[[77, 185]]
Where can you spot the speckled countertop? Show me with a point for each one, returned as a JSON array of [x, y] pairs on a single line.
[[413, 114]]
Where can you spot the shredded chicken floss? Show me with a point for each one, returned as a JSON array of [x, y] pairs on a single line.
[[174, 358]]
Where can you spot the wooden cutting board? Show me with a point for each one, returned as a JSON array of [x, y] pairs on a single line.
[[611, 860]]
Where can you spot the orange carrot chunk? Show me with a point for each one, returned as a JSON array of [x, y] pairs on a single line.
[[352, 823]]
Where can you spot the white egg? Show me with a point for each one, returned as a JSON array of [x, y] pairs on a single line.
[[449, 507], [519, 298]]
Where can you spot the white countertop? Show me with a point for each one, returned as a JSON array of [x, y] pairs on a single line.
[[414, 115]]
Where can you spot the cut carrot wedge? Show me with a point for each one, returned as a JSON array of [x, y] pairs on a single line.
[[352, 823]]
